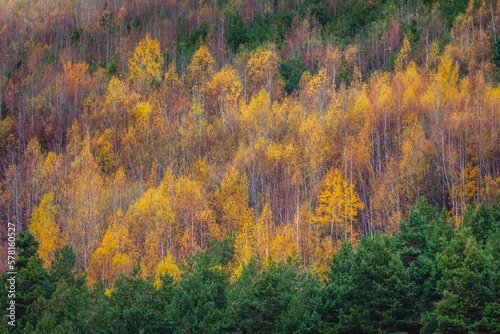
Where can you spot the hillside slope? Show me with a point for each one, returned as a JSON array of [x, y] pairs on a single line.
[[148, 128]]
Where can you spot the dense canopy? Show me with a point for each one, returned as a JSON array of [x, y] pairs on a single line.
[[265, 154]]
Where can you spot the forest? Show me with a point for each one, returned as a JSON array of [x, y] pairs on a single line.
[[430, 277], [251, 166]]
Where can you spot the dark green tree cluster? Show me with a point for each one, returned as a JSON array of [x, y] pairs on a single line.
[[434, 276]]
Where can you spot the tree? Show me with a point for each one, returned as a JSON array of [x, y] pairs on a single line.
[[367, 291], [263, 70], [464, 190], [481, 221], [166, 267], [223, 95], [232, 200], [490, 321], [63, 266], [442, 88], [76, 82], [402, 59], [146, 64], [412, 164], [259, 300], [113, 256], [244, 247], [200, 72], [69, 305], [189, 205], [151, 224], [116, 112], [135, 305], [256, 118], [66, 310], [32, 288], [284, 244], [338, 206], [199, 303], [418, 242], [265, 231], [46, 229], [463, 287], [84, 194]]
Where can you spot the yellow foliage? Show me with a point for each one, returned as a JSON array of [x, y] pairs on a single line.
[[45, 228], [466, 187], [244, 247], [226, 84], [111, 258], [236, 272], [150, 222], [412, 161], [188, 243], [108, 292], [143, 112], [245, 243], [150, 212], [255, 118], [147, 62], [402, 59], [442, 87], [263, 67], [265, 231], [356, 115], [323, 255], [117, 107], [167, 265], [284, 243], [317, 91], [492, 188], [275, 152], [200, 70], [412, 144], [312, 140], [413, 84], [85, 194], [338, 207], [172, 80], [189, 203], [232, 197]]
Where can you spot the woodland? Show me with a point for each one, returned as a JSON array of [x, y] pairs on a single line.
[[288, 166]]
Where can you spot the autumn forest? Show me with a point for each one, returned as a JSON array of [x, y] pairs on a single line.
[[308, 166]]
